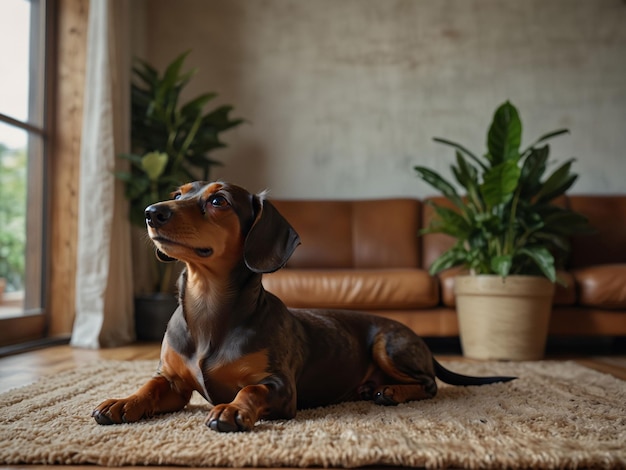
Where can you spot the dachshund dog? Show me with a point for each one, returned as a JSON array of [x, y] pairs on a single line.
[[240, 347]]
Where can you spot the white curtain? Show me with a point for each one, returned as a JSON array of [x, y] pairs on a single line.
[[104, 290]]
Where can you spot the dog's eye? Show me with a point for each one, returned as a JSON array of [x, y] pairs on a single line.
[[218, 201], [177, 195]]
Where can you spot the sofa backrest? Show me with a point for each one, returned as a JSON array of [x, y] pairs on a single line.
[[377, 233], [434, 244], [607, 215], [384, 233]]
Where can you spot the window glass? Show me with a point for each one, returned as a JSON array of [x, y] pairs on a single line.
[[22, 70], [13, 194], [15, 20]]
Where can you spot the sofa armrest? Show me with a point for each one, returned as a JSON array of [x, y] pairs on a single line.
[[602, 286]]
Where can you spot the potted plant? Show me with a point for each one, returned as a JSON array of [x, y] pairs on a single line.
[[170, 145], [509, 236]]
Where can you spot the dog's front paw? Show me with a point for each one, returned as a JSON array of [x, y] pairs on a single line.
[[117, 411], [385, 396], [230, 418]]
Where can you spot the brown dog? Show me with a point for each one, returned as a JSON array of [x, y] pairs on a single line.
[[240, 347]]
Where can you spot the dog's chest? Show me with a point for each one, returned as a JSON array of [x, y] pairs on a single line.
[[223, 378]]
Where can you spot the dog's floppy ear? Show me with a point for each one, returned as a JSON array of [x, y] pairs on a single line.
[[270, 241]]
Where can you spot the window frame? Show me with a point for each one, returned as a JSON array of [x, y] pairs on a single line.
[[32, 323]]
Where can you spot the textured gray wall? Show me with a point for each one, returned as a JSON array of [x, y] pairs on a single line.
[[343, 97]]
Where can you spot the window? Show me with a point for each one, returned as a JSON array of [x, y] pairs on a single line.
[[22, 177]]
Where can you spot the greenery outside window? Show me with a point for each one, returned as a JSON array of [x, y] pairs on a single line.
[[23, 138]]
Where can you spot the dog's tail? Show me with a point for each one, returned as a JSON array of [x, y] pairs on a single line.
[[453, 378]]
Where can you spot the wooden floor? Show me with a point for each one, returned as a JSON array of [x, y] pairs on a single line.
[[25, 368]]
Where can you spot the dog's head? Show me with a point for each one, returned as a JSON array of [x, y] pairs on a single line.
[[212, 224]]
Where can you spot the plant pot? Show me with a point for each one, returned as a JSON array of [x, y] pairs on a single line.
[[503, 318], [152, 313], [3, 283]]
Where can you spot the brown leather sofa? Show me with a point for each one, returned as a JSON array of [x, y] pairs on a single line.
[[367, 255]]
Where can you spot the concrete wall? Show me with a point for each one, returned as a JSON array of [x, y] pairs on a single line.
[[343, 97]]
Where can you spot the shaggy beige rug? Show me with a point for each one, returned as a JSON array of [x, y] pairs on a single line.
[[556, 415]]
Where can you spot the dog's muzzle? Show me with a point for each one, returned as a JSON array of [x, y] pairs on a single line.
[[157, 215]]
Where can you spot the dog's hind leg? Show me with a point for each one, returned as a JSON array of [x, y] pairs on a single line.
[[403, 358]]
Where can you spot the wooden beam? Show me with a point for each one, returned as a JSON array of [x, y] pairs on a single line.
[[64, 161]]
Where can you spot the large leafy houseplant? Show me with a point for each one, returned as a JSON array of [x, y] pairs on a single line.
[[506, 222], [170, 142]]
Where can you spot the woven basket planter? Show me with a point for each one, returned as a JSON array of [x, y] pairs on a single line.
[[503, 318]]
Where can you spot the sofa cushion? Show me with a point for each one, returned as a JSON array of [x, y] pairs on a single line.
[[602, 286], [355, 289]]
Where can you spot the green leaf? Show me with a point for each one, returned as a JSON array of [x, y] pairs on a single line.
[[125, 176], [501, 265], [202, 161], [557, 183], [478, 261], [542, 258], [436, 181], [186, 78], [130, 156], [543, 138], [533, 169], [461, 149], [195, 106], [467, 176], [567, 222], [552, 241], [146, 72], [505, 135], [172, 72], [455, 256], [168, 88], [218, 118], [500, 183], [154, 164], [136, 187], [448, 221], [530, 221]]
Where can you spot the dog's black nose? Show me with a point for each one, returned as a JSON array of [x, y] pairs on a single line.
[[158, 215]]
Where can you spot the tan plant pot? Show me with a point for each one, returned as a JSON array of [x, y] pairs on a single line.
[[3, 283], [503, 319]]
